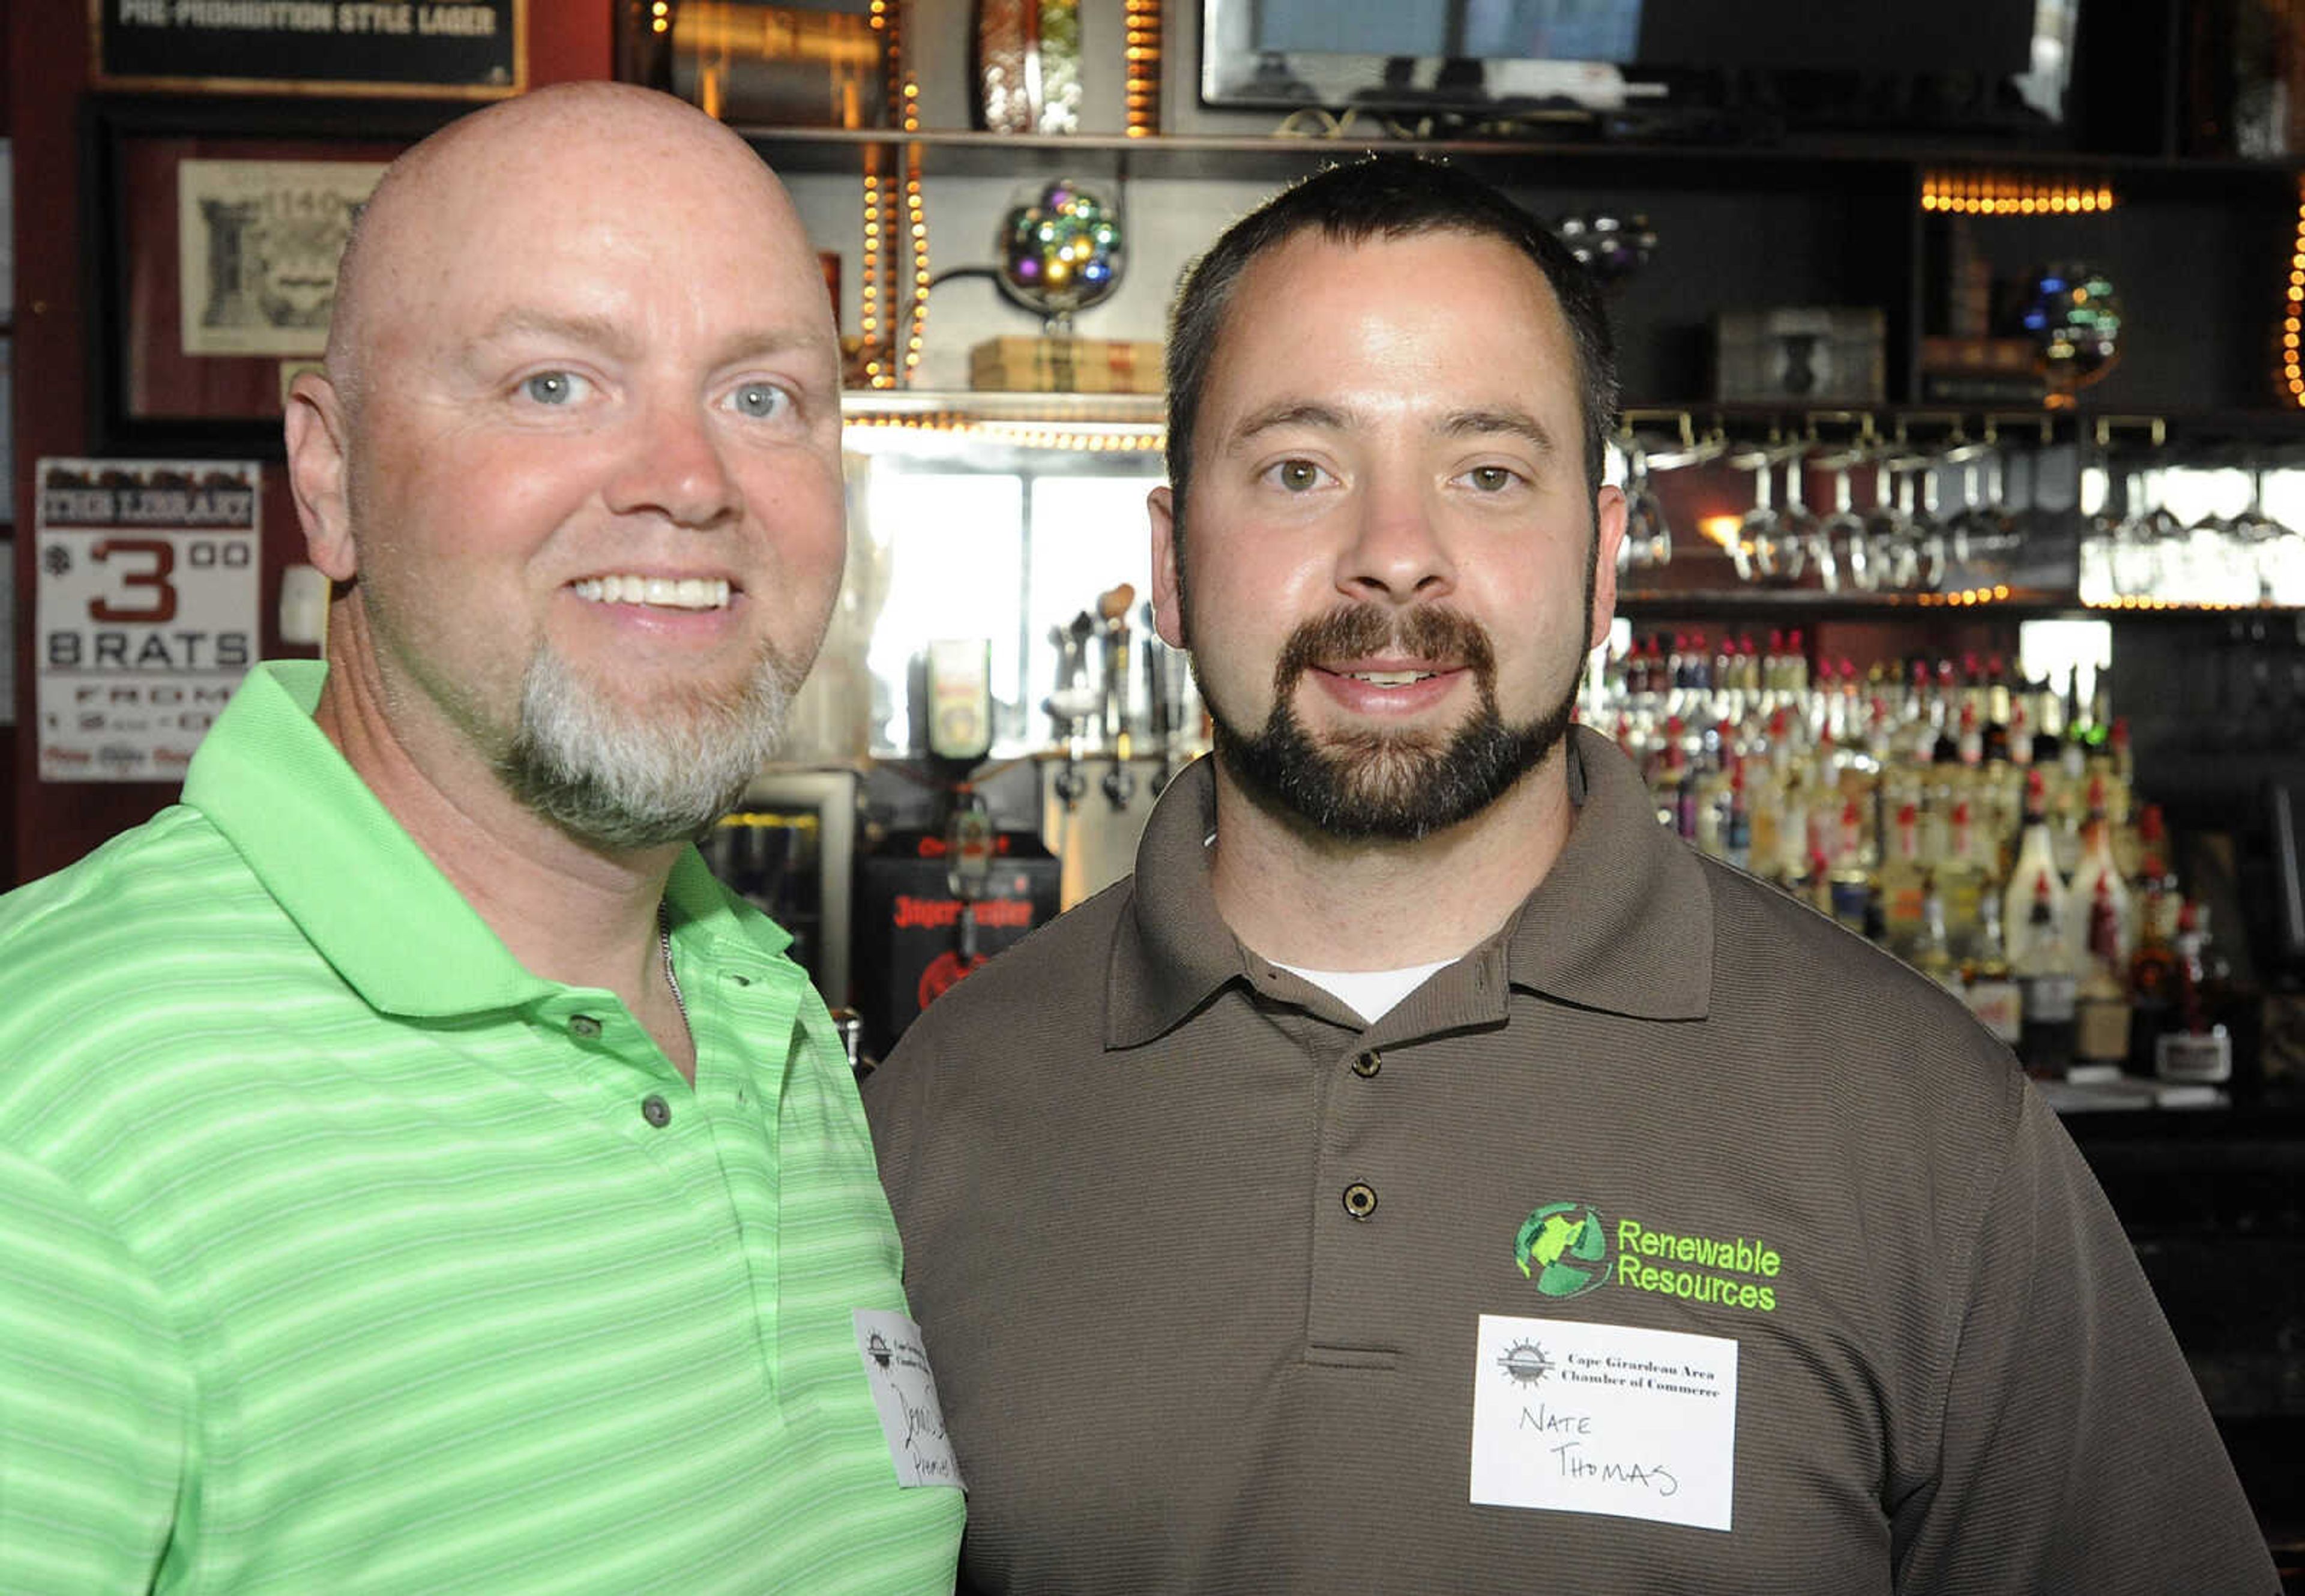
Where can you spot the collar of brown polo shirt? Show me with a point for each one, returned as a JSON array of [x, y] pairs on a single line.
[[1622, 923]]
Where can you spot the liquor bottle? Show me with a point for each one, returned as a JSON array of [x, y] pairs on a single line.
[[1945, 716], [2077, 727], [1971, 743], [1736, 824], [2021, 731], [2033, 871], [2097, 870], [2048, 729], [1904, 886], [2153, 974], [1852, 887], [1962, 879], [1817, 884], [2047, 983], [1991, 990], [2195, 1047], [2065, 812], [1932, 952], [2101, 1008], [2146, 837], [1997, 710]]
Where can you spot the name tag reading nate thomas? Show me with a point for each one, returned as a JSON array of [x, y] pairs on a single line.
[[1605, 1418]]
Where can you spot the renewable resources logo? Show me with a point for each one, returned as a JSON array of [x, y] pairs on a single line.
[[1567, 1249]]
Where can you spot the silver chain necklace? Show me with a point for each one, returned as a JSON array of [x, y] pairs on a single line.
[[664, 947]]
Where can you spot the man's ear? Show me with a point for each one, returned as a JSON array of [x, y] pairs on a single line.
[[317, 455], [1608, 536], [1168, 587]]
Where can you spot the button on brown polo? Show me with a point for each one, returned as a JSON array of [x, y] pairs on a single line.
[[1360, 1199], [1367, 1064]]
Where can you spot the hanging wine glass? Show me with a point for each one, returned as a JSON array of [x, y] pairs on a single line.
[[1777, 537], [1885, 527], [1843, 529]]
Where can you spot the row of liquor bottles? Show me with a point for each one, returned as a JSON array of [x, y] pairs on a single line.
[[1984, 828]]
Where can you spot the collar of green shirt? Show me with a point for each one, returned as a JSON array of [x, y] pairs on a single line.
[[356, 884], [1623, 921]]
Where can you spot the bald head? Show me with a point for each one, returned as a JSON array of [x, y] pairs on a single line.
[[568, 137]]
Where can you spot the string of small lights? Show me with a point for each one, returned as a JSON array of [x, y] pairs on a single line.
[[916, 229], [1117, 439], [1964, 598], [1995, 194], [2293, 311], [1144, 58], [891, 243], [2139, 601]]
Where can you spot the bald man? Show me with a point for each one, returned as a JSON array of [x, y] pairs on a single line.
[[416, 1173]]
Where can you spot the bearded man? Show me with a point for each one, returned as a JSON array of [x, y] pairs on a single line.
[[1426, 1174], [416, 1173]]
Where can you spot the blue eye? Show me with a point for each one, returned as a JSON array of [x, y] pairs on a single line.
[[758, 399], [552, 387]]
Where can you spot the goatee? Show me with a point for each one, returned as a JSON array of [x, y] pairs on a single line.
[[1399, 786], [622, 777]]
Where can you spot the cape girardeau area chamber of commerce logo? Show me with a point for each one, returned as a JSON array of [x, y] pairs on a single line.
[[1567, 1249]]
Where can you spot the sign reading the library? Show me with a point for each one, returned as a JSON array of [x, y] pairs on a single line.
[[145, 610], [455, 48]]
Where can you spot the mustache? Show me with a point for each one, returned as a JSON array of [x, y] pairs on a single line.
[[1354, 630]]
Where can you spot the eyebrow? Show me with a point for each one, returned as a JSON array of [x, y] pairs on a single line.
[[1460, 423], [1288, 412], [617, 338], [600, 332], [1515, 423]]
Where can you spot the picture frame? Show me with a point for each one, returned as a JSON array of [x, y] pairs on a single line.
[[470, 50], [210, 230]]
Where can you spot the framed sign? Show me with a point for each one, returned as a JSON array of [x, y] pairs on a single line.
[[213, 234], [145, 613], [431, 49]]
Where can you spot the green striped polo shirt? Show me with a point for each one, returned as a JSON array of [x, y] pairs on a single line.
[[340, 1253]]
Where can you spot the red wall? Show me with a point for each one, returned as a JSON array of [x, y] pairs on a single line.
[[44, 62]]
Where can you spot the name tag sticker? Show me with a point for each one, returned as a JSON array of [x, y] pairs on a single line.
[[904, 1392], [1604, 1418]]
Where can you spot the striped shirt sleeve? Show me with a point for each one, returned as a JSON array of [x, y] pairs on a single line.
[[95, 1398]]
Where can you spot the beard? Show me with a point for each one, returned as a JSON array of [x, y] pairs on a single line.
[[1394, 785], [622, 777]]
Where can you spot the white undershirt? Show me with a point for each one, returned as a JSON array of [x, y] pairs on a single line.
[[1369, 993]]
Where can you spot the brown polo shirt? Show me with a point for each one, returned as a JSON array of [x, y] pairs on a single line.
[[1202, 1260]]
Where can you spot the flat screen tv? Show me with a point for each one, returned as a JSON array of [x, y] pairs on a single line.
[[1476, 55]]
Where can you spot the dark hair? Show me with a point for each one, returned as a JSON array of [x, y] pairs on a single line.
[[1390, 197]]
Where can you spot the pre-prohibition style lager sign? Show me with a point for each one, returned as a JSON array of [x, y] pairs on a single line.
[[146, 610]]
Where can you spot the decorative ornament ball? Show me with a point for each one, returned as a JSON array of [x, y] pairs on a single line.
[[1614, 246], [1061, 248], [2073, 313]]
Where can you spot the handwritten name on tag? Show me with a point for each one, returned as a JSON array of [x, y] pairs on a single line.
[[1604, 1418], [904, 1394]]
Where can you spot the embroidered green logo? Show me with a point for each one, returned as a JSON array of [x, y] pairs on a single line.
[[1568, 1249], [1563, 1247]]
